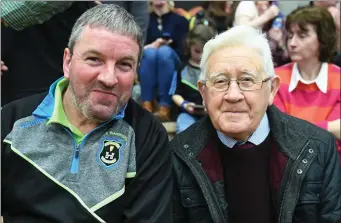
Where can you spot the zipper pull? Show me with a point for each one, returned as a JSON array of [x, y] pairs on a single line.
[[77, 152]]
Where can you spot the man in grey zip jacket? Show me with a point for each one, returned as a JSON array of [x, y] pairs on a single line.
[[247, 161], [86, 152]]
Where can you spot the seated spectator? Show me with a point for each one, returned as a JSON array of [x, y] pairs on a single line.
[[161, 57], [247, 14], [275, 32], [246, 161], [186, 95], [310, 86]]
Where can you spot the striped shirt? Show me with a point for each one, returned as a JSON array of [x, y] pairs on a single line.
[[316, 101], [21, 14]]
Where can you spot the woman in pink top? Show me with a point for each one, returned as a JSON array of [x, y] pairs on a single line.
[[310, 86]]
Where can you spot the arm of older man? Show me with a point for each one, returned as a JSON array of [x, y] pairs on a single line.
[[330, 194]]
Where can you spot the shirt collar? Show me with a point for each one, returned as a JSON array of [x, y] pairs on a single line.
[[256, 138], [46, 107], [321, 79]]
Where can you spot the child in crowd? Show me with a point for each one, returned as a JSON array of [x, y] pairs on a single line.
[[184, 86]]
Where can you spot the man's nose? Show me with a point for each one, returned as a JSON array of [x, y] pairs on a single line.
[[108, 77], [233, 93]]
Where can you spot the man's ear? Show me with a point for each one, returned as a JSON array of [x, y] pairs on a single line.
[[200, 86], [275, 84], [202, 89], [67, 62]]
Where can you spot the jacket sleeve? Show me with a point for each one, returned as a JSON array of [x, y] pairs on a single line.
[[330, 195], [178, 210], [20, 14], [150, 192]]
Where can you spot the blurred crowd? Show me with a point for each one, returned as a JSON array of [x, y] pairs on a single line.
[[305, 48]]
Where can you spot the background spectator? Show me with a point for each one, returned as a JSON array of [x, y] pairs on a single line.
[[33, 44], [161, 57], [275, 32], [247, 14], [310, 87], [186, 95], [139, 9]]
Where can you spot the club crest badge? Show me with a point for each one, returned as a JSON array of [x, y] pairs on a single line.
[[110, 151]]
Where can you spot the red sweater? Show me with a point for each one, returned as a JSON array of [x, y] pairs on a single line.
[[306, 101]]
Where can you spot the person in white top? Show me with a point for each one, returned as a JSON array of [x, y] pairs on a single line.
[[247, 14]]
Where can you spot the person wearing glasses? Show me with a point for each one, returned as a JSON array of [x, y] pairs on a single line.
[[247, 161]]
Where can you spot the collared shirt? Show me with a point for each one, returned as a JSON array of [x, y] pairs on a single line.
[[20, 14], [58, 115], [256, 138], [321, 80]]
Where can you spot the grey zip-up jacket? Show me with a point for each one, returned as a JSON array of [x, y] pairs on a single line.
[[120, 172]]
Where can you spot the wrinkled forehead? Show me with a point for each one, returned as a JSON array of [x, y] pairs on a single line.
[[235, 61]]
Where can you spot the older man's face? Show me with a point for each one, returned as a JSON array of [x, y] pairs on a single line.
[[101, 72], [234, 112]]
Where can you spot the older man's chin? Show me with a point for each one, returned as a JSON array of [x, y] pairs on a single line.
[[233, 129]]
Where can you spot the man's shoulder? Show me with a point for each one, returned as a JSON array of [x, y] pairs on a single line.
[[302, 128], [141, 120], [24, 106], [191, 134], [17, 110]]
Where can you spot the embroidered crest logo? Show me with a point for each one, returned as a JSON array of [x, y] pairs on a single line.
[[110, 153]]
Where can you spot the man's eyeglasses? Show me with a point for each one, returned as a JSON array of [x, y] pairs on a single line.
[[244, 83]]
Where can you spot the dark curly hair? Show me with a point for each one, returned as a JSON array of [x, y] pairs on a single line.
[[323, 23]]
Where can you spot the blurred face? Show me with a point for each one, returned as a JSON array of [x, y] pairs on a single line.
[[234, 112], [262, 6], [159, 3], [196, 51], [303, 45], [228, 7], [101, 72]]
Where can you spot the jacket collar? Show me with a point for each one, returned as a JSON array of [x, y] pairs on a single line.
[[282, 128], [46, 107]]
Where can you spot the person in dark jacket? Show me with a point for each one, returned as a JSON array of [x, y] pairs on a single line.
[[33, 44], [81, 153], [161, 57], [246, 161]]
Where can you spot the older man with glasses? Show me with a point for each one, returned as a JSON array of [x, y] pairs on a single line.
[[246, 161]]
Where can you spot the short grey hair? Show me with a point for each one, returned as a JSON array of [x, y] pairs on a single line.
[[111, 17], [239, 36]]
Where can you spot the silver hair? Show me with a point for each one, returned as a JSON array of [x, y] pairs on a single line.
[[111, 17], [239, 36]]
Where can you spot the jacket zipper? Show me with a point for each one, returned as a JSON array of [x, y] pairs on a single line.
[[289, 182], [77, 148], [204, 184], [75, 158]]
